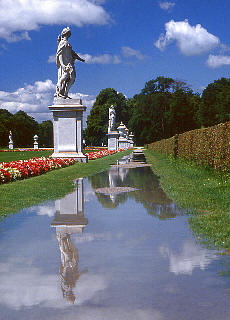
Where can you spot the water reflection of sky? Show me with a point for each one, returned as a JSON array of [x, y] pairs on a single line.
[[127, 263]]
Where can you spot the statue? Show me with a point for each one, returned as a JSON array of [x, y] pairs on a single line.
[[11, 143], [65, 58], [10, 137], [112, 118]]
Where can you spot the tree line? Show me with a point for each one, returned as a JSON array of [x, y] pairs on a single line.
[[23, 129], [163, 108]]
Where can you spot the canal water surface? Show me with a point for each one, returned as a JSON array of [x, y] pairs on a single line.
[[116, 255]]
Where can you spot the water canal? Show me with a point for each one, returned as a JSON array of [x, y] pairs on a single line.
[[96, 255]]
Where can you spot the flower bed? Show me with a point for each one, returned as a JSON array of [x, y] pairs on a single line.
[[99, 154], [22, 169]]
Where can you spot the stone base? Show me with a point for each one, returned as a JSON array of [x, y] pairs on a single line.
[[113, 140], [75, 155], [11, 146], [35, 146], [122, 143]]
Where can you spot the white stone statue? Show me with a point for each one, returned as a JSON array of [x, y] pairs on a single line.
[[11, 144], [10, 137], [65, 59], [112, 118]]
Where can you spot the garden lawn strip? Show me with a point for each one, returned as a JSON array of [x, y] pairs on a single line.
[[55, 184], [202, 191], [23, 155]]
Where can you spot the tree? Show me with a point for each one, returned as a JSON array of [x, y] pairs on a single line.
[[97, 120], [5, 126], [215, 103], [163, 108], [24, 128], [45, 134]]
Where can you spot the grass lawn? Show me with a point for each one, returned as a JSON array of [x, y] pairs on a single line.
[[17, 195], [23, 155], [203, 191]]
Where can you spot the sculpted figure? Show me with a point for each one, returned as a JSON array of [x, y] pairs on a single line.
[[65, 59], [112, 118], [10, 137]]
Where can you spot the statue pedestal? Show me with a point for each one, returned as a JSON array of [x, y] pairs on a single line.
[[11, 145], [113, 140], [122, 143], [67, 115]]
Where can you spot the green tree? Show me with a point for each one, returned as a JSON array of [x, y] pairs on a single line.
[[45, 134], [163, 108], [215, 103], [97, 120], [24, 128], [5, 126]]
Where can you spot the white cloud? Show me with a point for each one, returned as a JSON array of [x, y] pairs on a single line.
[[52, 58], [89, 59], [191, 40], [101, 59], [106, 58], [20, 16], [27, 286], [166, 5], [191, 256], [218, 61], [35, 99], [130, 52]]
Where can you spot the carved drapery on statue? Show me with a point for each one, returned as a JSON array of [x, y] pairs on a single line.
[[112, 118], [65, 59]]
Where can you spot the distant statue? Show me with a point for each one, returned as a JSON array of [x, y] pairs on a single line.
[[11, 143], [65, 59], [10, 137], [112, 118]]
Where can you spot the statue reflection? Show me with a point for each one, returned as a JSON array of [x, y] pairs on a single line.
[[69, 219], [150, 194]]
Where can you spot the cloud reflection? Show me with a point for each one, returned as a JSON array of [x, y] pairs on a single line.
[[190, 257]]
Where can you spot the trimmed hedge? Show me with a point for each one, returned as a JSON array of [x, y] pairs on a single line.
[[209, 146]]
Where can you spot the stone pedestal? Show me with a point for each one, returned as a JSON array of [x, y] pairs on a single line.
[[113, 140], [36, 142], [122, 143], [68, 115], [11, 145]]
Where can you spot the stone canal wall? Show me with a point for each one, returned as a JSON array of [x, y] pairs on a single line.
[[209, 146]]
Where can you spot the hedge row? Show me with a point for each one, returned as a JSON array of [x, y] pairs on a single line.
[[208, 146]]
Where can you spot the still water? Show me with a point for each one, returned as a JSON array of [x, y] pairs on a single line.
[[117, 256]]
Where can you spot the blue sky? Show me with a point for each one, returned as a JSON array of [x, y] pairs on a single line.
[[125, 43]]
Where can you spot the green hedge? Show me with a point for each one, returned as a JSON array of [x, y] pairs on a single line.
[[209, 146]]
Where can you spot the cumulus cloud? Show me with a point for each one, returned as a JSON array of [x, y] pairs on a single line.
[[166, 5], [106, 58], [26, 15], [218, 61], [27, 286], [35, 99], [191, 256], [101, 59], [130, 52], [191, 40], [89, 59]]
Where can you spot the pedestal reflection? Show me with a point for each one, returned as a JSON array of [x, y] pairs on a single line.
[[69, 219]]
